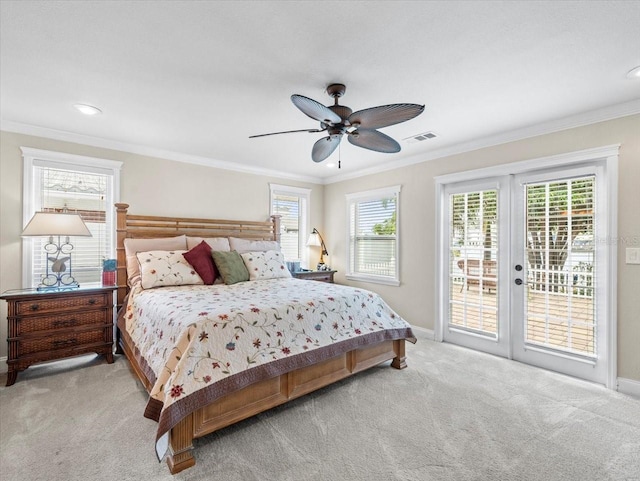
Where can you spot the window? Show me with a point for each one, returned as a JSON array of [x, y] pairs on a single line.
[[292, 204], [58, 182], [373, 235]]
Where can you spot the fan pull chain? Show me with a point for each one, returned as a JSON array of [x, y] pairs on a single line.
[[339, 153]]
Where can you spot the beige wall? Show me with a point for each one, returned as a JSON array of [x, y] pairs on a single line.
[[149, 185], [157, 186], [414, 299]]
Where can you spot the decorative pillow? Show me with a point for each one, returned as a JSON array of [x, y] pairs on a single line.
[[166, 268], [200, 258], [133, 246], [230, 266], [265, 265], [246, 245], [216, 243]]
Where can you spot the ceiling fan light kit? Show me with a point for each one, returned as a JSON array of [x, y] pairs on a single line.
[[360, 127]]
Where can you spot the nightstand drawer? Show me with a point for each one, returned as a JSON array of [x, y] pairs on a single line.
[[70, 319], [64, 340], [61, 303], [322, 277]]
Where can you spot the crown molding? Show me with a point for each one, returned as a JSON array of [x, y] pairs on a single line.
[[586, 118], [19, 128]]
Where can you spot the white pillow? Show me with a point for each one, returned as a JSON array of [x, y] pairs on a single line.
[[216, 243], [134, 245], [245, 245], [265, 265], [166, 268]]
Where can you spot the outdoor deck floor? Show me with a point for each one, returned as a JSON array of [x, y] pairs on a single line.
[[553, 320]]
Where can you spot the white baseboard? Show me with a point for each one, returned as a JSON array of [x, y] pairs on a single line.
[[629, 386], [427, 332], [3, 365]]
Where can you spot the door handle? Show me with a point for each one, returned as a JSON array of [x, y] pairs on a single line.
[[518, 282]]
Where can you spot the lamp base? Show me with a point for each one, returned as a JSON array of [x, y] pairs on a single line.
[[61, 287]]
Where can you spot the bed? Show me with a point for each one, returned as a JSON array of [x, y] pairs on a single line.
[[212, 355]]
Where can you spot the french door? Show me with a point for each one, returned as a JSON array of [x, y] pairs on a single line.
[[477, 214], [524, 268], [558, 294]]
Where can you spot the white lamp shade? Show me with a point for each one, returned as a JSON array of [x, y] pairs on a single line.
[[55, 223], [314, 240]]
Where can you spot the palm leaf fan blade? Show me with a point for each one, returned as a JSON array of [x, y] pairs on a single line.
[[374, 140], [385, 115]]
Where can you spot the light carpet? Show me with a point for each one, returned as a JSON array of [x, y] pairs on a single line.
[[453, 414]]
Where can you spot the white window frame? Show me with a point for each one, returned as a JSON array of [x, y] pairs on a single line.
[[303, 221], [376, 194], [45, 158]]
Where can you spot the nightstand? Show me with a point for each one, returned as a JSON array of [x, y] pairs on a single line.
[[322, 276], [48, 325]]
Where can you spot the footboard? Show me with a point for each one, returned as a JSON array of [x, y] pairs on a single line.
[[269, 393]]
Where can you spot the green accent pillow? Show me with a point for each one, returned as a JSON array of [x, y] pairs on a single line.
[[230, 266]]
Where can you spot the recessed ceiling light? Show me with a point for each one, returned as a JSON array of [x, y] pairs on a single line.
[[87, 109], [634, 74]]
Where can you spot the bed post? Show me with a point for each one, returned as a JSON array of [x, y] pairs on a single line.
[[121, 263], [276, 227], [121, 233], [180, 455], [400, 361]]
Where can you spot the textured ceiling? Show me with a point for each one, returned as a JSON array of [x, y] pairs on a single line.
[[192, 80]]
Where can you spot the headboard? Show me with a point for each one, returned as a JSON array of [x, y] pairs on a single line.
[[147, 226]]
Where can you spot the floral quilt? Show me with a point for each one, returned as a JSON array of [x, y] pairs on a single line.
[[201, 342]]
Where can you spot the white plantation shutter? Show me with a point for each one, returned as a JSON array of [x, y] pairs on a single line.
[[292, 204], [373, 235], [79, 185]]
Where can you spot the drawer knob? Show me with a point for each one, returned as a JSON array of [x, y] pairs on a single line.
[[34, 307], [92, 301], [65, 323]]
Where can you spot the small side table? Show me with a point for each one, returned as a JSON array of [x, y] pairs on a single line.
[[322, 276], [54, 324]]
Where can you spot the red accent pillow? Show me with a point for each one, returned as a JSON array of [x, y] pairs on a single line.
[[202, 261]]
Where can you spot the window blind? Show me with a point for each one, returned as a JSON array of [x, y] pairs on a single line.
[[292, 205], [289, 208], [85, 193], [373, 234]]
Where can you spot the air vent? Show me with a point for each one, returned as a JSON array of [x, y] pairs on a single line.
[[420, 137]]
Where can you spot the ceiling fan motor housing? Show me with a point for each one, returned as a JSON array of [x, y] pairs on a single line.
[[342, 110], [336, 90]]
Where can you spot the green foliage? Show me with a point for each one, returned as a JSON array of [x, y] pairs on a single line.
[[557, 213], [388, 226]]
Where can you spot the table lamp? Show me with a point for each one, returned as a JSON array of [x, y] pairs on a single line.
[[316, 240], [62, 225]]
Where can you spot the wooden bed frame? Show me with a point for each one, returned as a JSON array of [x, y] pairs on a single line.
[[257, 397]]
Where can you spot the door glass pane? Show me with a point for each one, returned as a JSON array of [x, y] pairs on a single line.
[[559, 305], [473, 254]]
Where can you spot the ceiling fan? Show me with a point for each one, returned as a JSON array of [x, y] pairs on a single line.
[[360, 127]]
